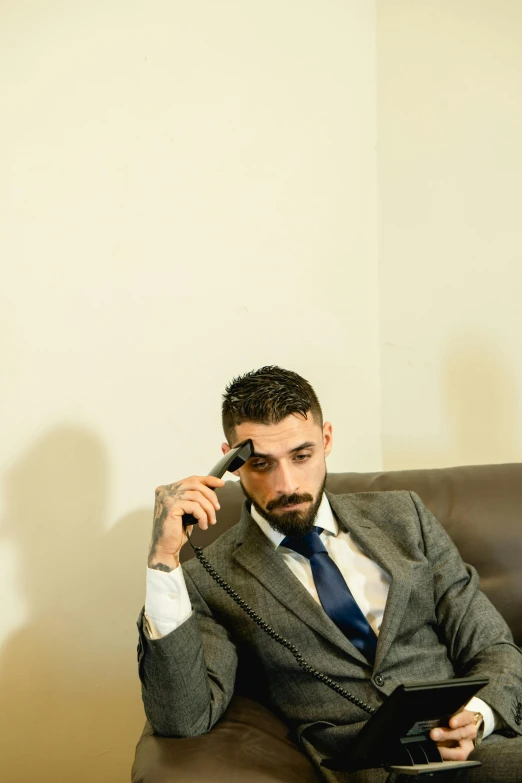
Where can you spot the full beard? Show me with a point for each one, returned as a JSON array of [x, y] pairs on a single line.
[[293, 524]]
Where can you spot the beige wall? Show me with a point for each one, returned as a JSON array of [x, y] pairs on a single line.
[[187, 191], [450, 230]]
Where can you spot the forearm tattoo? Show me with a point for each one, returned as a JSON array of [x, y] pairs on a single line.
[[165, 498]]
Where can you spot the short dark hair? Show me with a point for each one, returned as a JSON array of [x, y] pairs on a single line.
[[267, 396]]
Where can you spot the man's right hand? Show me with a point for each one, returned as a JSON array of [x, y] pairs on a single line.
[[193, 495]]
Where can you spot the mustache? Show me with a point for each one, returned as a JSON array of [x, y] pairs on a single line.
[[288, 500]]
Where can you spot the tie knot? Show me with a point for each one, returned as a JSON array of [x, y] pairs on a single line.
[[307, 545]]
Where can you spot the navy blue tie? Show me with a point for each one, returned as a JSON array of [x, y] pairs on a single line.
[[334, 594]]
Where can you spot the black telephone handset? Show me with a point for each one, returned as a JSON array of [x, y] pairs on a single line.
[[231, 461]]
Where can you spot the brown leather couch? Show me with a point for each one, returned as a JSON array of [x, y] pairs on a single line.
[[480, 507]]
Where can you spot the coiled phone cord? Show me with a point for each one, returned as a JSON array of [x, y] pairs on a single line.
[[275, 636]]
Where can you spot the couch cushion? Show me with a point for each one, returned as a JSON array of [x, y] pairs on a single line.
[[249, 743]]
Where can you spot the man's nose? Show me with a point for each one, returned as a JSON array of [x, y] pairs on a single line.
[[286, 481]]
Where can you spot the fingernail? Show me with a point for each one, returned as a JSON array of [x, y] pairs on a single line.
[[436, 734]]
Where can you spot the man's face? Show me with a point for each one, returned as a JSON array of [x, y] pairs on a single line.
[[286, 476]]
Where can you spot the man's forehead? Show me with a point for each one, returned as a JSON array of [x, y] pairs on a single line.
[[284, 436]]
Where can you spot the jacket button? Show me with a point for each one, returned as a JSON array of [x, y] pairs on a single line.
[[378, 680]]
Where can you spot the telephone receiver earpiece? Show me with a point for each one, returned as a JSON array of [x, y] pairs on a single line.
[[232, 460]]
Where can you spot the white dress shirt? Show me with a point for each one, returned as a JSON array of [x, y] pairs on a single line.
[[167, 603]]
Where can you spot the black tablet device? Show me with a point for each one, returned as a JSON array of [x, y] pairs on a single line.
[[399, 731]]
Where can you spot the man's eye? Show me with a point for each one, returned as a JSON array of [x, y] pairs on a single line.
[[259, 465], [303, 457]]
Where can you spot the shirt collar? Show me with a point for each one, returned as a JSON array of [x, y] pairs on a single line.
[[325, 519]]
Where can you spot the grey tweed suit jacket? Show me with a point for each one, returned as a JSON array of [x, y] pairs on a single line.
[[436, 625]]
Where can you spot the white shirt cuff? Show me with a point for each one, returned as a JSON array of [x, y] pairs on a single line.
[[492, 721], [167, 602]]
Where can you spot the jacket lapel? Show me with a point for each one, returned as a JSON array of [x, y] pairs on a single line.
[[374, 542], [256, 554]]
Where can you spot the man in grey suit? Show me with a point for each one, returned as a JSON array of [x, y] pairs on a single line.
[[403, 606]]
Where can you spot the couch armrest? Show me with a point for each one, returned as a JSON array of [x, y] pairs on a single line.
[[248, 743]]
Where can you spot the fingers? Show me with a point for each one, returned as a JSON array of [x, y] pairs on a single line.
[[197, 504], [456, 741], [443, 734], [196, 510], [174, 497], [207, 489], [211, 481], [461, 726], [203, 484], [458, 753], [462, 718], [194, 495], [193, 489]]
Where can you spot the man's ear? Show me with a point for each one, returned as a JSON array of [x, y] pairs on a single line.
[[327, 438]]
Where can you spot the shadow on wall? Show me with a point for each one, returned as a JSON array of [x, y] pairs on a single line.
[[71, 707]]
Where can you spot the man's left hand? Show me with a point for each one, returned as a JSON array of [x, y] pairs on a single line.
[[456, 742]]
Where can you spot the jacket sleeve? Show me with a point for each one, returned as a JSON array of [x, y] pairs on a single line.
[[187, 676], [478, 639]]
